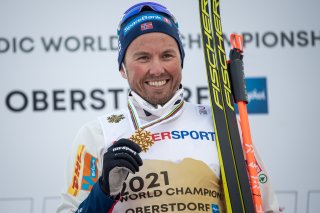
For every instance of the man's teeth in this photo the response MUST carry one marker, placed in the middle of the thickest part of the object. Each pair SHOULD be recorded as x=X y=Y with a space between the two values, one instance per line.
x=157 y=83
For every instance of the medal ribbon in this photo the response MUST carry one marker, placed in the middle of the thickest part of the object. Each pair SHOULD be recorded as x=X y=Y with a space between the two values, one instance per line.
x=135 y=119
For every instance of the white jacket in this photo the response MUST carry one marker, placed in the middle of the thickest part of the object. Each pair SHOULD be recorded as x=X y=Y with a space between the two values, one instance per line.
x=180 y=171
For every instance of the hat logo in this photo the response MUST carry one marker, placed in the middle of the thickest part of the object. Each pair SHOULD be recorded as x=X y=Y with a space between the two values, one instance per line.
x=146 y=26
x=166 y=20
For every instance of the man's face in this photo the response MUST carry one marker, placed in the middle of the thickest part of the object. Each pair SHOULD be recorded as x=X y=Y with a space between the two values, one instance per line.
x=153 y=66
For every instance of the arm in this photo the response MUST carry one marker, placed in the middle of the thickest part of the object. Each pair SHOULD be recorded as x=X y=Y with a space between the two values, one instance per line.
x=120 y=159
x=88 y=143
x=97 y=201
x=84 y=192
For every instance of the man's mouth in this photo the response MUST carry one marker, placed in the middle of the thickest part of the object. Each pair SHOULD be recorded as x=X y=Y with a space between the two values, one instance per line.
x=157 y=83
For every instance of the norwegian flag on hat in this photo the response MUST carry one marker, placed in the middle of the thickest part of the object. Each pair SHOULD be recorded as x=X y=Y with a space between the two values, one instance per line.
x=146 y=26
x=166 y=20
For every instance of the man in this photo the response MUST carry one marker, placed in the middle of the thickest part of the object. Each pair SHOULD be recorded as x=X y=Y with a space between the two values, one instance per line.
x=159 y=154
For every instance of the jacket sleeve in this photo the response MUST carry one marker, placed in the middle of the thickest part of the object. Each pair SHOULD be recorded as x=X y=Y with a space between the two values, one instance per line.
x=81 y=190
x=97 y=201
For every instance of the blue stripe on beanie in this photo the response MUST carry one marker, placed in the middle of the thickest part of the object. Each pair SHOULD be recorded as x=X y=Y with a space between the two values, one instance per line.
x=146 y=22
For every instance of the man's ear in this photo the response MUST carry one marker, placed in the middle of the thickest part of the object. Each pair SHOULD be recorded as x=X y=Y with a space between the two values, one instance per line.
x=123 y=71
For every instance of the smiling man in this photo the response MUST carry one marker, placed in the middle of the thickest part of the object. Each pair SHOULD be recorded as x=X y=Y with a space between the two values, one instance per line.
x=152 y=66
x=159 y=154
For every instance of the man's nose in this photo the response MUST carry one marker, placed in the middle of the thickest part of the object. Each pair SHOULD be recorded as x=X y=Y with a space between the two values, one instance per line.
x=156 y=67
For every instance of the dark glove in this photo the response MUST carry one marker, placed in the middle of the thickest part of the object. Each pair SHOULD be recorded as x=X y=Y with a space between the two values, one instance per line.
x=120 y=159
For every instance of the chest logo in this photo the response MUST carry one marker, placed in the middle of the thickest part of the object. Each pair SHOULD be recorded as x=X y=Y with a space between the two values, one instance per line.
x=115 y=118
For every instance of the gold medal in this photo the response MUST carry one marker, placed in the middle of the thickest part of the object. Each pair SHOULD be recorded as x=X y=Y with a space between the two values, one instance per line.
x=143 y=138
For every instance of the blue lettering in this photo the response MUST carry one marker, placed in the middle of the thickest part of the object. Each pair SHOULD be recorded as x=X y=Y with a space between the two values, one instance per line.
x=184 y=133
x=204 y=134
x=194 y=135
x=175 y=135
x=212 y=135
x=93 y=167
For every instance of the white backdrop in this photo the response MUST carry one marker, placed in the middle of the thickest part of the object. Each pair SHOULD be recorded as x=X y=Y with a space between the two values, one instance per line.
x=48 y=90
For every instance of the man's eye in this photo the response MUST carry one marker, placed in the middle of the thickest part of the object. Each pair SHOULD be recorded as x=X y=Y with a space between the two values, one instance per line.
x=143 y=58
x=167 y=56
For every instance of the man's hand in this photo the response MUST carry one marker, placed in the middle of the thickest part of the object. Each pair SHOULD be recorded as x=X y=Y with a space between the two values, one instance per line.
x=120 y=159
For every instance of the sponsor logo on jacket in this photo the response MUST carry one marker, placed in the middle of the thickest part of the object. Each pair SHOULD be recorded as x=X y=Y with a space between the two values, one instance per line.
x=74 y=186
x=90 y=172
x=184 y=135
